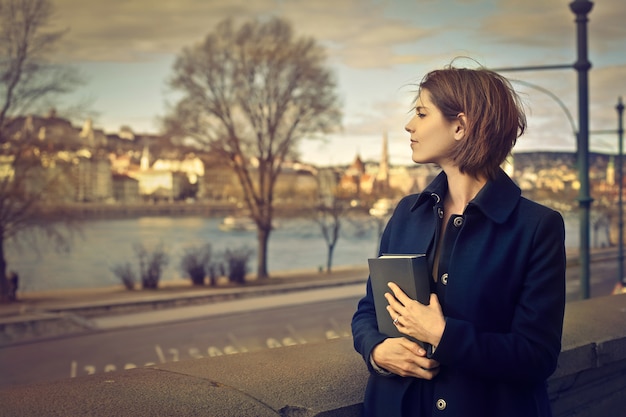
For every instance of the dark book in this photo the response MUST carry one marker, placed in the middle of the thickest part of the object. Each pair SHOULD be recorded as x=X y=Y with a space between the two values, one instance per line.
x=410 y=273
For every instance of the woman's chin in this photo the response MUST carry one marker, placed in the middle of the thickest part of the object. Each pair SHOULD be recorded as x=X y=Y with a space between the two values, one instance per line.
x=418 y=159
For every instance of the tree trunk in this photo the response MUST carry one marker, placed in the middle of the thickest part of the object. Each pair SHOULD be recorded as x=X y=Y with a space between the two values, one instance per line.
x=329 y=259
x=263 y=235
x=4 y=283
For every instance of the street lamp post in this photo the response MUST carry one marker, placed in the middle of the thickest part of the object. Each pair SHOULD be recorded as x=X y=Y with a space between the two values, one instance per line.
x=582 y=65
x=581 y=9
x=620 y=132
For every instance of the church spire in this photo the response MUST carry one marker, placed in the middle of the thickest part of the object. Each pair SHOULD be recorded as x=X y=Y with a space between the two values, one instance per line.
x=382 y=178
x=144 y=163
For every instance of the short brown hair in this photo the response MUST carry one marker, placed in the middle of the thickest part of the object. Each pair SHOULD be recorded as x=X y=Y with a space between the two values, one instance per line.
x=495 y=116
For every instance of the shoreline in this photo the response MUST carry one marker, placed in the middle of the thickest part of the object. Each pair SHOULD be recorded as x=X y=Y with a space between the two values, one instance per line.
x=185 y=284
x=104 y=211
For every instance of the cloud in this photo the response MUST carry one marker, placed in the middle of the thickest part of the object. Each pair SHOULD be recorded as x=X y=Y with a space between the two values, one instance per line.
x=607 y=32
x=119 y=30
x=541 y=24
x=605 y=86
x=357 y=32
x=534 y=23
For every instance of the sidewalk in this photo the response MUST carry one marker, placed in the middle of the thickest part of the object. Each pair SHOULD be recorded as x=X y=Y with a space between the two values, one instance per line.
x=56 y=313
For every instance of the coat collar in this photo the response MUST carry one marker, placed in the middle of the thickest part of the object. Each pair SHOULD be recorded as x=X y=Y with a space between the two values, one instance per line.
x=496 y=200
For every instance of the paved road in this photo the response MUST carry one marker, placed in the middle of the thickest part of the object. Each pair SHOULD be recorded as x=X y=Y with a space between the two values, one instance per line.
x=241 y=326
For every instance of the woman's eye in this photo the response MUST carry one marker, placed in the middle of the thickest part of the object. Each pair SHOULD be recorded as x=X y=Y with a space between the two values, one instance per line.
x=418 y=112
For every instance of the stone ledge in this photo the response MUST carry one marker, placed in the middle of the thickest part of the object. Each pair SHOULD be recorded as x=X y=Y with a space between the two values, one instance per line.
x=322 y=379
x=590 y=379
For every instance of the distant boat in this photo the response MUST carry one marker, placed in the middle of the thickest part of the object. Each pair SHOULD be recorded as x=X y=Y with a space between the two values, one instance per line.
x=237 y=224
x=381 y=208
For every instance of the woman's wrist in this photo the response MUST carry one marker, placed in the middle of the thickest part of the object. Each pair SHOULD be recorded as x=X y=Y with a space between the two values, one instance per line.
x=438 y=334
x=378 y=369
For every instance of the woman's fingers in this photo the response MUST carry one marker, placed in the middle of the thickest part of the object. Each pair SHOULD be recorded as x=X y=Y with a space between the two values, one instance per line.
x=398 y=293
x=404 y=357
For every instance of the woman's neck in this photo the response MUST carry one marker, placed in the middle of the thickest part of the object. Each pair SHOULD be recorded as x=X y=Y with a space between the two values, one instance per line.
x=462 y=188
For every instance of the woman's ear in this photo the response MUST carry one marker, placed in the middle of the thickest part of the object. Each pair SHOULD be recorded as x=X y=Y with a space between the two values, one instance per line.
x=460 y=126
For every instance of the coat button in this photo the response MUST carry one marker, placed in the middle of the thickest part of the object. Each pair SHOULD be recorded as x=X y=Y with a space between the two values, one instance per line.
x=441 y=404
x=444 y=279
x=440 y=212
x=458 y=221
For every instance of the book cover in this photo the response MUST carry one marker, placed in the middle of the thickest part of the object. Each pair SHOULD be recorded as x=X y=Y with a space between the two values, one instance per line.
x=410 y=273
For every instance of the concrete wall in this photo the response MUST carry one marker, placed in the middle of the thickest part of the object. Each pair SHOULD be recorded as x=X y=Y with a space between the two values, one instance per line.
x=325 y=379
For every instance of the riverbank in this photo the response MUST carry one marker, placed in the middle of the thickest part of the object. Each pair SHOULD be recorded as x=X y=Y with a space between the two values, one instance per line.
x=206 y=208
x=82 y=298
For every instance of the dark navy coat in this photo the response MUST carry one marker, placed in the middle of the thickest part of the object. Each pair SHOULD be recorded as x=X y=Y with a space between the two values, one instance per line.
x=502 y=290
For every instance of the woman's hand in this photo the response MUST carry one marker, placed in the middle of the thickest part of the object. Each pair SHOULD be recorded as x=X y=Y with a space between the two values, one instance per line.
x=405 y=358
x=412 y=318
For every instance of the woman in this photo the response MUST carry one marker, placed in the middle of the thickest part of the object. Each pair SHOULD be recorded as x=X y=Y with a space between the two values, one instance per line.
x=498 y=266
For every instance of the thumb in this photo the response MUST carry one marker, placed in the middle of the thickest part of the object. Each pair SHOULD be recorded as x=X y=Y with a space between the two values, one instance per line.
x=433 y=299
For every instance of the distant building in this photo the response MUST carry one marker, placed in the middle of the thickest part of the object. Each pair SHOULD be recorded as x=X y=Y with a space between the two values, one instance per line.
x=92 y=179
x=125 y=189
x=381 y=183
x=296 y=184
x=355 y=181
x=87 y=165
x=157 y=184
x=191 y=167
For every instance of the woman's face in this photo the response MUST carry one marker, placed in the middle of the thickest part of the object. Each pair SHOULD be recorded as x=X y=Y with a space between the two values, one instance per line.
x=432 y=135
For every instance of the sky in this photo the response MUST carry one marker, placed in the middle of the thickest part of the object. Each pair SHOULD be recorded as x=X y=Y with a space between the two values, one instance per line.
x=378 y=51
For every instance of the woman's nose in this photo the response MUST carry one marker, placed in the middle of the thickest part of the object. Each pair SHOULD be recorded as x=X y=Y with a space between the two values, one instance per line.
x=409 y=126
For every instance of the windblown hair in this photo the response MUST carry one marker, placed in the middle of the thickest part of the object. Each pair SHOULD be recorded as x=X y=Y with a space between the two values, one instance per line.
x=495 y=115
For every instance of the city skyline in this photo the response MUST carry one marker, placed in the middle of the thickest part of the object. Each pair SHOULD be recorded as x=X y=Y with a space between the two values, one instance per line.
x=378 y=50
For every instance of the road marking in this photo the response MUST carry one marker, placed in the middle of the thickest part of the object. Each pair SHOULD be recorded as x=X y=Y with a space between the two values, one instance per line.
x=235 y=342
x=195 y=353
x=331 y=334
x=289 y=341
x=272 y=343
x=230 y=350
x=293 y=333
x=159 y=353
x=175 y=355
x=213 y=351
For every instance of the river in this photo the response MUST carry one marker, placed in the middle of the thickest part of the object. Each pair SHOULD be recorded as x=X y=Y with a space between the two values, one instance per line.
x=295 y=244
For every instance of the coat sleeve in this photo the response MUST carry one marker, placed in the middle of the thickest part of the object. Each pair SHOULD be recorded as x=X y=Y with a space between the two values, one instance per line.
x=364 y=325
x=529 y=351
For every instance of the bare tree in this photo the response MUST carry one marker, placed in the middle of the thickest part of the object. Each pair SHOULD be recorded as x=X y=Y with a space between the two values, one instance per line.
x=328 y=215
x=250 y=94
x=31 y=174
